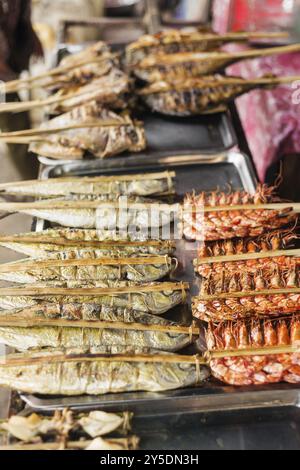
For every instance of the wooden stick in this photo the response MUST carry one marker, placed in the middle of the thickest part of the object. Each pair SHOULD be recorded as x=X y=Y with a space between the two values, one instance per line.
x=93 y=291
x=85 y=243
x=14 y=84
x=48 y=263
x=24 y=360
x=255 y=293
x=247 y=256
x=36 y=322
x=92 y=179
x=128 y=443
x=52 y=205
x=281 y=206
x=54 y=130
x=289 y=349
x=253 y=53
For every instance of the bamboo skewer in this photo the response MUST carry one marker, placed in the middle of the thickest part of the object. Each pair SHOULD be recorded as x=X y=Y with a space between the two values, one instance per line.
x=19 y=322
x=253 y=53
x=93 y=179
x=94 y=291
x=48 y=263
x=247 y=256
x=127 y=443
x=255 y=293
x=244 y=207
x=84 y=243
x=54 y=130
x=23 y=360
x=51 y=205
x=14 y=85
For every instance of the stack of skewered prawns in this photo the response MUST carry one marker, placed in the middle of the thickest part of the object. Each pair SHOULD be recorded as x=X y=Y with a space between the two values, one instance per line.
x=250 y=291
x=91 y=91
x=182 y=69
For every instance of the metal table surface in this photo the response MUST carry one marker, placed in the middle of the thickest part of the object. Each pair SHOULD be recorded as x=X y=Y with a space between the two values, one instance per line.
x=269 y=429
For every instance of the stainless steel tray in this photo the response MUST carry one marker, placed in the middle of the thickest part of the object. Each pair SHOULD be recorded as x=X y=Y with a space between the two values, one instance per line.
x=198 y=172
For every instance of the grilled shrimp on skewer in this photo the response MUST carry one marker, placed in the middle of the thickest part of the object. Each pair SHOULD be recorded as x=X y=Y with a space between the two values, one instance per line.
x=260 y=369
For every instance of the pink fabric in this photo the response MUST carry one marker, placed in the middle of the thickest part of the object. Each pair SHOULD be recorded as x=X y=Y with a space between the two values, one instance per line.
x=270 y=118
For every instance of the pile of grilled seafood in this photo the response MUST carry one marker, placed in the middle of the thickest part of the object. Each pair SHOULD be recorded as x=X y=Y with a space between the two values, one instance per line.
x=92 y=88
x=67 y=430
x=250 y=292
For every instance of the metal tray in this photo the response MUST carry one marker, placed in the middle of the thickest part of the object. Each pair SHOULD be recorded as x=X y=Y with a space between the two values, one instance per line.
x=200 y=173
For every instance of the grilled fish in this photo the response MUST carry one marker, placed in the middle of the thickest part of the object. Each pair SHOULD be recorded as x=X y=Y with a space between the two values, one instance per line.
x=97 y=141
x=155 y=298
x=99 y=378
x=122 y=213
x=203 y=95
x=110 y=90
x=94 y=340
x=140 y=269
x=131 y=185
x=77 y=244
x=99 y=49
x=188 y=65
x=179 y=41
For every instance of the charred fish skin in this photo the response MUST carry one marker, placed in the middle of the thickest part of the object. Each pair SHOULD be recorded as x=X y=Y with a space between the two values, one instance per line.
x=97 y=378
x=89 y=340
x=196 y=97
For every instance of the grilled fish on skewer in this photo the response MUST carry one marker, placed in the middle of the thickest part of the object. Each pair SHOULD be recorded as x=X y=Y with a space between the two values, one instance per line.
x=98 y=141
x=176 y=41
x=76 y=244
x=155 y=298
x=255 y=369
x=156 y=184
x=233 y=308
x=138 y=269
x=89 y=55
x=97 y=378
x=208 y=94
x=187 y=65
x=93 y=340
x=109 y=90
x=119 y=214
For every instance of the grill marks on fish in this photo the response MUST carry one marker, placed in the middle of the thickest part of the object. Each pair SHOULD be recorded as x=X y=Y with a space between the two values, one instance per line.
x=98 y=141
x=196 y=96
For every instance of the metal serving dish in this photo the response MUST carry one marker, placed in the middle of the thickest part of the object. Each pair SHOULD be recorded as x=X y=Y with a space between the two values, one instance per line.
x=197 y=172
